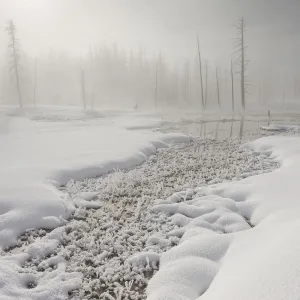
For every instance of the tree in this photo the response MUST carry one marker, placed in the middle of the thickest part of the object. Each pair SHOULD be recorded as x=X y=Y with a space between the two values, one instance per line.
x=218 y=88
x=200 y=71
x=232 y=86
x=14 y=53
x=83 y=89
x=240 y=49
x=156 y=86
x=34 y=84
x=206 y=84
x=186 y=82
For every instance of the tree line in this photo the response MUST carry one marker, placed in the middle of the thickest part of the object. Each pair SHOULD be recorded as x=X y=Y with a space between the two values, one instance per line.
x=110 y=77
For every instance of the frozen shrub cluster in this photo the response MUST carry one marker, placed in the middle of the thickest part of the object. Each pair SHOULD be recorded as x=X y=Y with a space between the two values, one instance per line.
x=120 y=228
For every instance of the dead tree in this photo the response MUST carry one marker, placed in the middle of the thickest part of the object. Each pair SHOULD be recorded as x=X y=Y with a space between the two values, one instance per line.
x=206 y=84
x=14 y=53
x=83 y=96
x=240 y=50
x=34 y=84
x=232 y=86
x=186 y=83
x=200 y=72
x=156 y=88
x=218 y=88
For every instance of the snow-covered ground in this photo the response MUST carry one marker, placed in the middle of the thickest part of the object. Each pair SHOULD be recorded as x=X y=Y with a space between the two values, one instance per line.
x=215 y=259
x=222 y=235
x=41 y=150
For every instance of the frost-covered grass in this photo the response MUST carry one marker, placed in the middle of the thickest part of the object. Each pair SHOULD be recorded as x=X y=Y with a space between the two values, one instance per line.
x=103 y=242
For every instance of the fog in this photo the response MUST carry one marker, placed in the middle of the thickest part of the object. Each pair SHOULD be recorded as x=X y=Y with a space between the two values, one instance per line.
x=141 y=54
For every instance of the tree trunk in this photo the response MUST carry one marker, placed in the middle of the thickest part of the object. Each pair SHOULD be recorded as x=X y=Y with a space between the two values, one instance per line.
x=156 y=89
x=34 y=84
x=206 y=84
x=232 y=87
x=83 y=89
x=200 y=71
x=218 y=88
x=16 y=69
x=243 y=65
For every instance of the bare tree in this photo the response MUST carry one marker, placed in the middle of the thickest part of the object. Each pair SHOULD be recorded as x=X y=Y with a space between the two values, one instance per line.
x=83 y=89
x=156 y=87
x=218 y=88
x=34 y=84
x=200 y=71
x=232 y=86
x=206 y=83
x=186 y=82
x=14 y=52
x=240 y=49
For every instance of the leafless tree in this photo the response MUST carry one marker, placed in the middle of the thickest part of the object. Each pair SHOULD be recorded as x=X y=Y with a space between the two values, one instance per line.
x=232 y=86
x=34 y=84
x=14 y=53
x=186 y=82
x=240 y=50
x=156 y=87
x=206 y=83
x=83 y=96
x=200 y=71
x=218 y=88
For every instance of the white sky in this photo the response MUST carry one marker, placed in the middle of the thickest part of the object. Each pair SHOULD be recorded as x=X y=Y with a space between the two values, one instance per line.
x=169 y=26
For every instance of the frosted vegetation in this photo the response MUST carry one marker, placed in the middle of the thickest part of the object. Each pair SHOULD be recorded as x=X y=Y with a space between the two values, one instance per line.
x=119 y=216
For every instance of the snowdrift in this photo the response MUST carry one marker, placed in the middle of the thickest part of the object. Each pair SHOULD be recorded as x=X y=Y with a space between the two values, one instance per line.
x=220 y=256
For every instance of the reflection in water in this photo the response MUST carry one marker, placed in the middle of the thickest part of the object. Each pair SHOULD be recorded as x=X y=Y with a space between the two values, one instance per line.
x=242 y=123
x=217 y=130
x=231 y=128
x=223 y=129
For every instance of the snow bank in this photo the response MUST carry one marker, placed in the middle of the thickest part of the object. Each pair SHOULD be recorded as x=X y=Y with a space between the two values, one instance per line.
x=35 y=155
x=246 y=263
x=41 y=150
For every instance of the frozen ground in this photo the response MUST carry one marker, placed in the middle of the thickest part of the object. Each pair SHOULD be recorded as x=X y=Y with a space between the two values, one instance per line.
x=42 y=150
x=127 y=224
x=104 y=244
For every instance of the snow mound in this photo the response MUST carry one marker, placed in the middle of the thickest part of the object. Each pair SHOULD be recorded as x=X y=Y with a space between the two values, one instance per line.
x=247 y=263
x=18 y=282
x=36 y=155
x=41 y=151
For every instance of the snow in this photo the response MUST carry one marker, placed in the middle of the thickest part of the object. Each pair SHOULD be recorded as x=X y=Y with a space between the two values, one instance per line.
x=221 y=256
x=42 y=150
x=211 y=239
x=126 y=224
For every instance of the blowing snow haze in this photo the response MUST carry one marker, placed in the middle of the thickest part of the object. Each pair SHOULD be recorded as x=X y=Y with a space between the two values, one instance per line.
x=144 y=54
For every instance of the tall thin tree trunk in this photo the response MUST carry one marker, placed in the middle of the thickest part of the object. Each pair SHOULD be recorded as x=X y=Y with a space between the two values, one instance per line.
x=17 y=70
x=83 y=89
x=34 y=84
x=156 y=88
x=232 y=87
x=200 y=71
x=206 y=83
x=243 y=65
x=218 y=88
x=186 y=92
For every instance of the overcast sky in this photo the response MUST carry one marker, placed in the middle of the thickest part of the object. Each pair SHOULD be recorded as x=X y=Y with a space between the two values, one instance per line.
x=169 y=26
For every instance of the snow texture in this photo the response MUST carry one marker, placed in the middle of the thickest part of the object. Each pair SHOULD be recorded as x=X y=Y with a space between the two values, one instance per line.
x=220 y=256
x=104 y=244
x=42 y=150
x=126 y=224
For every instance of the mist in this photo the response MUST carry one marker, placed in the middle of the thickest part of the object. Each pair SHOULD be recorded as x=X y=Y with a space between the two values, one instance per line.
x=144 y=55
